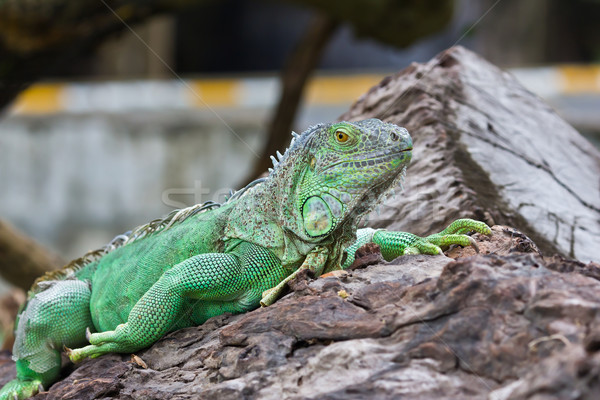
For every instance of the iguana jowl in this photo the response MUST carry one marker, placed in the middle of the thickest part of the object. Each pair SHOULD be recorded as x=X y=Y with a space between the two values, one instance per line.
x=208 y=259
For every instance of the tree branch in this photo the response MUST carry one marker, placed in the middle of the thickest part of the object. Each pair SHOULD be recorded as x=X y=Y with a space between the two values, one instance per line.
x=22 y=260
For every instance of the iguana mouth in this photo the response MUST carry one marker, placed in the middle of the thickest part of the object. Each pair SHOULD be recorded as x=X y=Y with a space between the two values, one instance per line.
x=364 y=162
x=385 y=153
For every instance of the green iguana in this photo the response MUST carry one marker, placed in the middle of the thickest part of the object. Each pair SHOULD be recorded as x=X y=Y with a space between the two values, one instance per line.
x=210 y=259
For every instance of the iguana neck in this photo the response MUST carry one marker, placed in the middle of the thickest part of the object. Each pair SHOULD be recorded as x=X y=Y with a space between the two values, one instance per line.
x=266 y=216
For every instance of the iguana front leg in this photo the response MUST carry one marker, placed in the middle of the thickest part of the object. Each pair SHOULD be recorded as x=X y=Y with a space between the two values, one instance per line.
x=314 y=261
x=394 y=244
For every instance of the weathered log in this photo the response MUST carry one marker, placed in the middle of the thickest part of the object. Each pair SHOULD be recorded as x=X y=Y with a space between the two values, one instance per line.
x=485 y=147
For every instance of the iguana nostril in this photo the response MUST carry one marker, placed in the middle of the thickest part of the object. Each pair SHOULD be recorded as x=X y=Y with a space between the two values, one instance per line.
x=394 y=136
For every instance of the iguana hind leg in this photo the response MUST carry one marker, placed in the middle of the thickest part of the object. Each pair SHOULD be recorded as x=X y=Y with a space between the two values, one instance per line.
x=160 y=307
x=55 y=317
x=221 y=282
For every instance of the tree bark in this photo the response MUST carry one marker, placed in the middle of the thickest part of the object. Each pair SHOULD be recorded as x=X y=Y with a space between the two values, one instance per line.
x=22 y=260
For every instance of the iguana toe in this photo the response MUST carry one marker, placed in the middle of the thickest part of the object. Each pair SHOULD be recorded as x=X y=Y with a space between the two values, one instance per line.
x=465 y=225
x=21 y=389
x=80 y=354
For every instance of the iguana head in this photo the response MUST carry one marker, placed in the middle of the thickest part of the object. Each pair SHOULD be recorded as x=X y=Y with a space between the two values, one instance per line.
x=335 y=173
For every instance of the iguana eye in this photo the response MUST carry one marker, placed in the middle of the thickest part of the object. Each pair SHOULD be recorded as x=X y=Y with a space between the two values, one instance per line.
x=341 y=136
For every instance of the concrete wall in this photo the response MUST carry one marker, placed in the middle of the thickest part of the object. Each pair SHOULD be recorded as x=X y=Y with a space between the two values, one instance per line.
x=75 y=181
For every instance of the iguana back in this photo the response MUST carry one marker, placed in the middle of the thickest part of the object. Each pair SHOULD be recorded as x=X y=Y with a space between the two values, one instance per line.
x=121 y=277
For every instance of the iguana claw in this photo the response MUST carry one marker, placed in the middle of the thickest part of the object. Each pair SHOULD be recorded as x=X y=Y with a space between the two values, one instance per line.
x=473 y=244
x=70 y=355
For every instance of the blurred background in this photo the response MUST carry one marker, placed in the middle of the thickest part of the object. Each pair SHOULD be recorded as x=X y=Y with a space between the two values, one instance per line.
x=116 y=112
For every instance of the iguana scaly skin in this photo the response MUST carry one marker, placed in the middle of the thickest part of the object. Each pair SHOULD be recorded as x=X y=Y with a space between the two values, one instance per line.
x=208 y=259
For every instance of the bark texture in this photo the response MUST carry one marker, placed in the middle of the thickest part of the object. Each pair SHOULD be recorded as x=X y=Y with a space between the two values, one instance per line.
x=486 y=148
